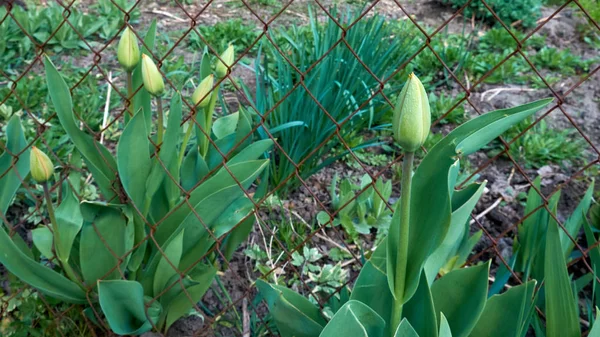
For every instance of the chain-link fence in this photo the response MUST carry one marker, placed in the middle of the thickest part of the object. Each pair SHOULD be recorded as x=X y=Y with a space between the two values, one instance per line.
x=292 y=239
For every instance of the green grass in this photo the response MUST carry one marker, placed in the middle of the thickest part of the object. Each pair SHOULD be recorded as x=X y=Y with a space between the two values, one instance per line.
x=220 y=35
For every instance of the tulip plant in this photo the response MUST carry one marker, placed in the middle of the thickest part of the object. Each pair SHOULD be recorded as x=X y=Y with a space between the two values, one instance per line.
x=406 y=288
x=175 y=206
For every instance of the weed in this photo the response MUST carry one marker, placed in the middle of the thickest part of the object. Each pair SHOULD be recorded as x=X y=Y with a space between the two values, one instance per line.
x=440 y=109
x=523 y=12
x=218 y=36
x=542 y=145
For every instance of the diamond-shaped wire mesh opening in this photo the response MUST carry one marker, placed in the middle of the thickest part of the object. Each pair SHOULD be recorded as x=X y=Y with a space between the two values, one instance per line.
x=300 y=235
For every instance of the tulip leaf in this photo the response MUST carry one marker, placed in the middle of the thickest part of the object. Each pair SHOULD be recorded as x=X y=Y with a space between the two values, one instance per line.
x=371 y=286
x=405 y=330
x=562 y=318
x=12 y=172
x=294 y=315
x=124 y=306
x=193 y=169
x=104 y=239
x=196 y=284
x=433 y=184
x=445 y=327
x=420 y=311
x=594 y=252
x=238 y=235
x=245 y=173
x=226 y=125
x=133 y=161
x=168 y=153
x=507 y=314
x=167 y=266
x=461 y=295
x=70 y=221
x=31 y=272
x=463 y=202
x=354 y=319
x=42 y=239
x=98 y=159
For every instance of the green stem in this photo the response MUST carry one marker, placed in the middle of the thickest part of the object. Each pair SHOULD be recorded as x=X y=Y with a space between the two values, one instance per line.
x=161 y=121
x=186 y=138
x=208 y=120
x=64 y=262
x=407 y=166
x=129 y=95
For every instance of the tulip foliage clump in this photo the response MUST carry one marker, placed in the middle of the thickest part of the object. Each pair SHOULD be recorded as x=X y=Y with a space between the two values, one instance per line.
x=412 y=285
x=173 y=196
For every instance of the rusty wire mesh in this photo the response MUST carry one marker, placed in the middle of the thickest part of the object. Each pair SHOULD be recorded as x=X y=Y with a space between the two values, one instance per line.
x=101 y=64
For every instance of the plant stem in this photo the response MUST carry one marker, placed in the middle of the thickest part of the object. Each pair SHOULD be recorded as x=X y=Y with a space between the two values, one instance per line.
x=129 y=94
x=186 y=138
x=161 y=121
x=407 y=166
x=64 y=262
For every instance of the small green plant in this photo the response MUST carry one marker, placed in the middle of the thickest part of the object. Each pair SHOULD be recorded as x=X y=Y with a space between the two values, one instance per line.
x=542 y=145
x=359 y=214
x=523 y=12
x=222 y=33
x=443 y=105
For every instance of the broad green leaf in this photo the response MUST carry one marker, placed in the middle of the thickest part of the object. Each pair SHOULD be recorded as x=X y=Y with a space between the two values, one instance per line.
x=354 y=319
x=167 y=266
x=70 y=221
x=31 y=272
x=420 y=310
x=530 y=228
x=223 y=224
x=168 y=154
x=371 y=286
x=562 y=318
x=98 y=159
x=445 y=328
x=196 y=284
x=133 y=161
x=432 y=185
x=219 y=186
x=103 y=241
x=461 y=295
x=294 y=315
x=238 y=235
x=124 y=306
x=507 y=314
x=193 y=169
x=42 y=239
x=405 y=330
x=463 y=203
x=573 y=224
x=12 y=172
x=225 y=125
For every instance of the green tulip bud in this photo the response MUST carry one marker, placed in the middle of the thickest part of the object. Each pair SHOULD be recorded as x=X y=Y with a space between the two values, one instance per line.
x=153 y=81
x=128 y=52
x=227 y=57
x=40 y=165
x=412 y=116
x=202 y=94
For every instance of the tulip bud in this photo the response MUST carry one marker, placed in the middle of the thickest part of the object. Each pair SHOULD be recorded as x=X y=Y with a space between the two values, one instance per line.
x=40 y=165
x=412 y=116
x=153 y=81
x=128 y=52
x=202 y=94
x=227 y=57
